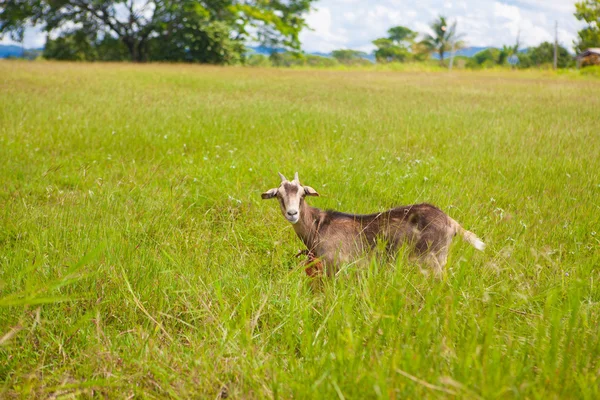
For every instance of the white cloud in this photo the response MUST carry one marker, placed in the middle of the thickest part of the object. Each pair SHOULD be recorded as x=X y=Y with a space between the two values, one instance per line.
x=506 y=11
x=322 y=36
x=484 y=23
x=34 y=39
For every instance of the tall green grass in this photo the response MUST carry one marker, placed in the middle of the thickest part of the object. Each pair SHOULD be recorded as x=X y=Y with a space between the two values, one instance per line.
x=136 y=257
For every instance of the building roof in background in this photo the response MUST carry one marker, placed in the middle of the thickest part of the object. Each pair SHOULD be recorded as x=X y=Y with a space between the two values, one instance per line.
x=589 y=52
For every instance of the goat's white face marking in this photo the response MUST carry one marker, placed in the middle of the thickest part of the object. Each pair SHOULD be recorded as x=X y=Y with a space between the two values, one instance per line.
x=290 y=195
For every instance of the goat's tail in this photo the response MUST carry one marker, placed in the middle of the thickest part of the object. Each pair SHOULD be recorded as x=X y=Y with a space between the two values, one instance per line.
x=469 y=236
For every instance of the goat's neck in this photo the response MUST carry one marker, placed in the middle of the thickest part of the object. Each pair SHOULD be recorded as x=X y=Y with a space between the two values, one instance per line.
x=307 y=225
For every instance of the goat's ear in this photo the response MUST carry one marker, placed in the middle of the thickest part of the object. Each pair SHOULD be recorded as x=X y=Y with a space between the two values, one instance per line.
x=269 y=194
x=308 y=191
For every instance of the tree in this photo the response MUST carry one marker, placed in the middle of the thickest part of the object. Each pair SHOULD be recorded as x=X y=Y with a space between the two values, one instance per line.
x=397 y=46
x=503 y=54
x=71 y=46
x=588 y=11
x=206 y=30
x=487 y=58
x=444 y=38
x=544 y=54
x=350 y=57
x=79 y=46
x=401 y=35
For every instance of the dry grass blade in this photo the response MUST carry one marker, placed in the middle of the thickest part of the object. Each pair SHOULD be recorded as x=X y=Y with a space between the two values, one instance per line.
x=425 y=383
x=143 y=309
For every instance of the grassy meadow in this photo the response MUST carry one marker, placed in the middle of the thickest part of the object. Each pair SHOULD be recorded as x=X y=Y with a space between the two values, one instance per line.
x=137 y=258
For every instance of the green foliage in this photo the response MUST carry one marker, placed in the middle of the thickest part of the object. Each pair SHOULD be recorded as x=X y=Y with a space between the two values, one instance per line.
x=397 y=46
x=401 y=35
x=593 y=70
x=504 y=53
x=312 y=60
x=111 y=49
x=73 y=46
x=198 y=41
x=137 y=259
x=292 y=59
x=543 y=55
x=79 y=46
x=258 y=60
x=388 y=51
x=487 y=58
x=177 y=30
x=589 y=12
x=287 y=59
x=350 y=57
x=444 y=38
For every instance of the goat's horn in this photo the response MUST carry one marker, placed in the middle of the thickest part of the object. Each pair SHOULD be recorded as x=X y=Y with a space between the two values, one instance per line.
x=283 y=178
x=296 y=177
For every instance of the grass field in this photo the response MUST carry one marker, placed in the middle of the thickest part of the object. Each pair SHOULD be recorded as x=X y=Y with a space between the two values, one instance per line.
x=137 y=258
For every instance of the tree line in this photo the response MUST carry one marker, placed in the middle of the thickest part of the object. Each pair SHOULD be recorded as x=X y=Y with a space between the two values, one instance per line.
x=217 y=32
x=204 y=31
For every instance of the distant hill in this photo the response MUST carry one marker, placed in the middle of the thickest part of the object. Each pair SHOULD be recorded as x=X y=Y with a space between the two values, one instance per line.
x=466 y=52
x=11 y=50
x=264 y=50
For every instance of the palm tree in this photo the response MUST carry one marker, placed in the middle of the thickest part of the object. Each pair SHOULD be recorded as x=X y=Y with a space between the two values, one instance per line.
x=444 y=38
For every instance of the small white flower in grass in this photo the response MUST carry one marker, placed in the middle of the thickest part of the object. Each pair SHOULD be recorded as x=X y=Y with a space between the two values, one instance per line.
x=232 y=167
x=425 y=178
x=492 y=200
x=205 y=158
x=250 y=169
x=165 y=136
x=113 y=132
x=566 y=274
x=523 y=224
x=593 y=233
x=234 y=199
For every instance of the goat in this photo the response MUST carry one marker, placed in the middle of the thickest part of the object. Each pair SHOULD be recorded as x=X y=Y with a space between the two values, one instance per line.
x=336 y=238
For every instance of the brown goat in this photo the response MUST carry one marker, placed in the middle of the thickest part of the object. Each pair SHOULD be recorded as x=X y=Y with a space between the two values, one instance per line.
x=336 y=238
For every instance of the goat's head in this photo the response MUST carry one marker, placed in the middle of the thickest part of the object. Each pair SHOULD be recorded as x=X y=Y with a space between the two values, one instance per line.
x=291 y=196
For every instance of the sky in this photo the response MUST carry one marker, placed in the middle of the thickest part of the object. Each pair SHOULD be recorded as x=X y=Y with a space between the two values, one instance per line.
x=354 y=24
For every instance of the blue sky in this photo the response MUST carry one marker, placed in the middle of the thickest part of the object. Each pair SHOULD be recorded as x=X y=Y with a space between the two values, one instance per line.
x=355 y=23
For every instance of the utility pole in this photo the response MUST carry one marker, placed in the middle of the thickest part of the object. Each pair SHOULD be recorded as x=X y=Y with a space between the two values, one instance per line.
x=555 y=45
x=452 y=55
